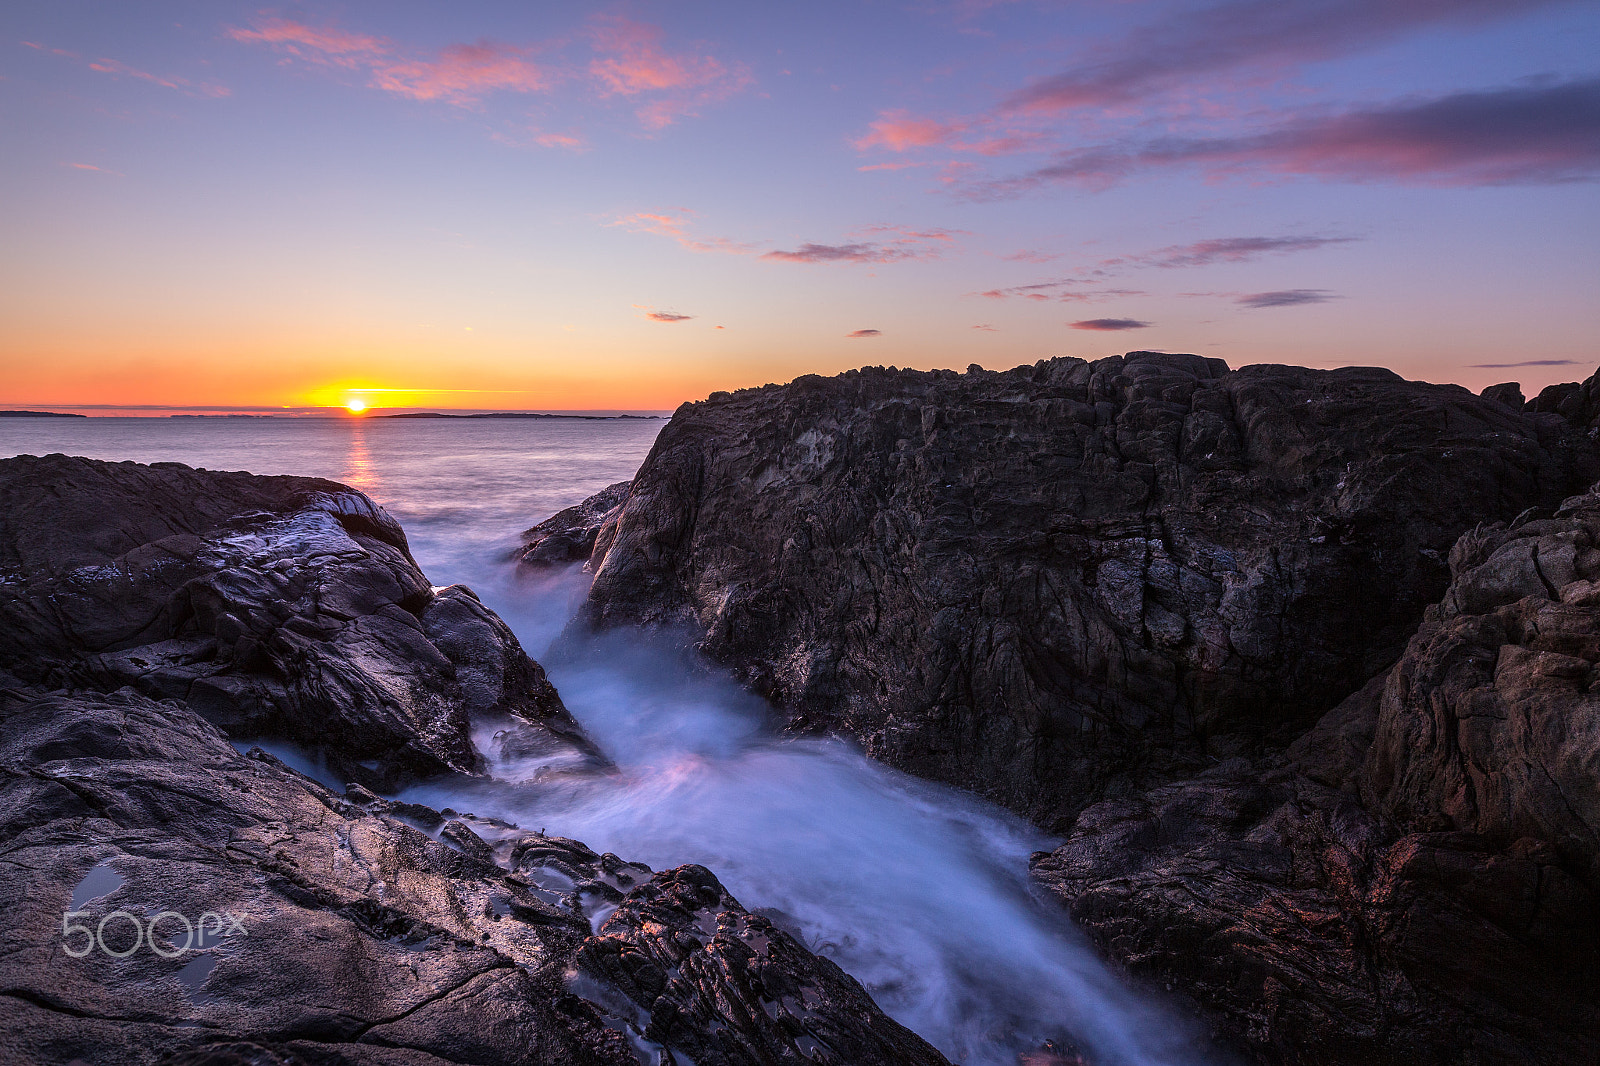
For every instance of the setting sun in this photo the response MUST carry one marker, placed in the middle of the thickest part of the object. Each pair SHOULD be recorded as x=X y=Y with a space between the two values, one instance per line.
x=355 y=406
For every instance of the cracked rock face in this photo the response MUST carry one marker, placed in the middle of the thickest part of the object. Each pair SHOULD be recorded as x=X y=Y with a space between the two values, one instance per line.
x=275 y=606
x=1051 y=584
x=357 y=930
x=726 y=986
x=568 y=536
x=1416 y=880
x=364 y=939
x=1491 y=722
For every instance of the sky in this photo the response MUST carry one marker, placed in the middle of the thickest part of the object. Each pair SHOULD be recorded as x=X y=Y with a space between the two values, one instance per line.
x=531 y=206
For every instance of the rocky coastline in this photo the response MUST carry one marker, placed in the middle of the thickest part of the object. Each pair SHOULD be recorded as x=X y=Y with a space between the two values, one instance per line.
x=1298 y=663
x=155 y=622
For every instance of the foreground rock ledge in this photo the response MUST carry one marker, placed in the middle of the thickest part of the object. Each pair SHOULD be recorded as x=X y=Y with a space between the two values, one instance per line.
x=358 y=930
x=278 y=607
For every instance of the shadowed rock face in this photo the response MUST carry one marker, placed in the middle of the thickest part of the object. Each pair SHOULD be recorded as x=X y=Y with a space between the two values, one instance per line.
x=568 y=536
x=1047 y=584
x=685 y=954
x=276 y=606
x=1417 y=880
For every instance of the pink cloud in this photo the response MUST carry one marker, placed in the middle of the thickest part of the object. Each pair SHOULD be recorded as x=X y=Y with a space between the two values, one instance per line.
x=118 y=69
x=111 y=66
x=463 y=74
x=898 y=131
x=311 y=42
x=630 y=61
x=1521 y=135
x=675 y=225
x=661 y=316
x=862 y=333
x=559 y=140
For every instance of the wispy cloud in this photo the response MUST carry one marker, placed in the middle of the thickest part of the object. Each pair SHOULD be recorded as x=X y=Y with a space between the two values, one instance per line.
x=661 y=316
x=893 y=244
x=118 y=69
x=865 y=333
x=868 y=244
x=1526 y=362
x=1254 y=37
x=1536 y=134
x=1286 y=298
x=674 y=223
x=632 y=61
x=626 y=58
x=461 y=74
x=1090 y=283
x=1225 y=250
x=1109 y=325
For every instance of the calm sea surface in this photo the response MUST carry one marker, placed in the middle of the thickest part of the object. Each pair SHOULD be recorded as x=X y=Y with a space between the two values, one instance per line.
x=919 y=891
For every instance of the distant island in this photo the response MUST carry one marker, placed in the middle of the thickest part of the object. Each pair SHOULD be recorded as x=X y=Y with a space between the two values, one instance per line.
x=516 y=414
x=38 y=414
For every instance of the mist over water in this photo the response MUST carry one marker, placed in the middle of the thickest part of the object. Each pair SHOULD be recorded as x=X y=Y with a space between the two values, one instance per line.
x=918 y=891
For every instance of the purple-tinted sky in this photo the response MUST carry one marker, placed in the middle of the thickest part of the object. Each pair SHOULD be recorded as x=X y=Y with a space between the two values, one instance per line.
x=514 y=205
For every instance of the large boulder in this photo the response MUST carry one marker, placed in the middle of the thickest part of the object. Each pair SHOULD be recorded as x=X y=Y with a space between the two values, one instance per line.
x=280 y=607
x=1056 y=583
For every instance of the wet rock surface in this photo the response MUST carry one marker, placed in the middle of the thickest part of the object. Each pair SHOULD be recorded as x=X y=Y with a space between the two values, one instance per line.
x=275 y=606
x=1053 y=583
x=360 y=937
x=568 y=536
x=727 y=986
x=170 y=900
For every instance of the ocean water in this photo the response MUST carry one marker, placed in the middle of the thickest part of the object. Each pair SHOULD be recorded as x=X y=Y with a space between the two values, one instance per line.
x=919 y=891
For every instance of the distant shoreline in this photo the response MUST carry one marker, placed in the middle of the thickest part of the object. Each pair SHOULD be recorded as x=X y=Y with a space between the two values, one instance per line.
x=38 y=414
x=520 y=414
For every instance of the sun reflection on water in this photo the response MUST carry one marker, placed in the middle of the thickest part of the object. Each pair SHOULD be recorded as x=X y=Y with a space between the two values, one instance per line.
x=359 y=471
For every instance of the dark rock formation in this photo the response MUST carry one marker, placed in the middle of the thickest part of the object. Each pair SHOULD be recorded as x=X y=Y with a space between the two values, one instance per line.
x=171 y=901
x=568 y=536
x=1417 y=880
x=276 y=606
x=360 y=938
x=369 y=931
x=1054 y=583
x=690 y=960
x=1507 y=392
